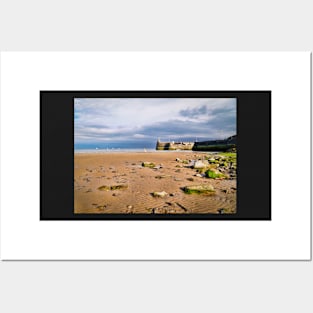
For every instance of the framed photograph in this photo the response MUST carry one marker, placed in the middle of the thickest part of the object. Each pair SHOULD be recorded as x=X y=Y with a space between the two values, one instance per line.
x=155 y=155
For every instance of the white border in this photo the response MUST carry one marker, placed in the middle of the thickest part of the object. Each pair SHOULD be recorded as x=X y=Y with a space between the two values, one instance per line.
x=24 y=74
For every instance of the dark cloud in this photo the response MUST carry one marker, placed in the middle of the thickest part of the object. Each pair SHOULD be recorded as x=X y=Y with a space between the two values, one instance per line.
x=115 y=120
x=194 y=112
x=179 y=129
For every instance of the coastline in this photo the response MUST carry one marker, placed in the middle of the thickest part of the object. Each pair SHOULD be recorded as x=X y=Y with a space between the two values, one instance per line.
x=117 y=182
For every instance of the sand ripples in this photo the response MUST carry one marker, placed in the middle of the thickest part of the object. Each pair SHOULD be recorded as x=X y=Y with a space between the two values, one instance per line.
x=94 y=171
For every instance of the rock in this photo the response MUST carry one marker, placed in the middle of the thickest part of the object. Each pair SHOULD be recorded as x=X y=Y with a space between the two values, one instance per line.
x=199 y=164
x=213 y=173
x=162 y=176
x=198 y=175
x=114 y=187
x=208 y=188
x=192 y=163
x=160 y=211
x=170 y=210
x=129 y=207
x=148 y=164
x=190 y=179
x=160 y=194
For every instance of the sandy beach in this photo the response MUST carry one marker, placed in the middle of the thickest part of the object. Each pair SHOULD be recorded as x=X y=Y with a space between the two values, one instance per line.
x=120 y=182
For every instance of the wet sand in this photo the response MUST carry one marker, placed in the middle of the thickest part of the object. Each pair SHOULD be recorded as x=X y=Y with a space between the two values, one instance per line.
x=117 y=182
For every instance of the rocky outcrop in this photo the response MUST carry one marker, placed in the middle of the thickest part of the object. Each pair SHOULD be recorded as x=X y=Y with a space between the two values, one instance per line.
x=216 y=145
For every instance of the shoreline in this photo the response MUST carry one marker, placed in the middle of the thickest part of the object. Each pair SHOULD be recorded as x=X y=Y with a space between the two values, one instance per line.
x=103 y=151
x=117 y=182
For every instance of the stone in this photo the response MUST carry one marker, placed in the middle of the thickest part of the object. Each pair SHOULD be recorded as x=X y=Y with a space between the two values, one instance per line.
x=162 y=176
x=148 y=164
x=160 y=194
x=114 y=187
x=213 y=173
x=160 y=210
x=208 y=188
x=199 y=164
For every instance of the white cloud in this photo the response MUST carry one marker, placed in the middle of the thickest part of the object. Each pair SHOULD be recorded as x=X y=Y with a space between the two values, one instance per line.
x=139 y=136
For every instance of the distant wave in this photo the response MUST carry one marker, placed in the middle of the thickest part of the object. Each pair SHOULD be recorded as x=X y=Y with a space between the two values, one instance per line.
x=128 y=150
x=113 y=150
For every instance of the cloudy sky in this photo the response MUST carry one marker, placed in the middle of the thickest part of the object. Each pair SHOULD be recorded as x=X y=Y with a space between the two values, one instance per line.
x=103 y=122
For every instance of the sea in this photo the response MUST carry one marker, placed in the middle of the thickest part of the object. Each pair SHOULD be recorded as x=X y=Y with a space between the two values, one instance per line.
x=110 y=150
x=124 y=150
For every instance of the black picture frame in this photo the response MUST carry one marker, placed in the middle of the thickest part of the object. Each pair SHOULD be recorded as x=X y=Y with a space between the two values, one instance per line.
x=253 y=154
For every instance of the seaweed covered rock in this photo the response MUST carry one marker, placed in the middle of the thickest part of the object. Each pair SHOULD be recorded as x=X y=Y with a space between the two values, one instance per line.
x=213 y=173
x=206 y=189
x=148 y=164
